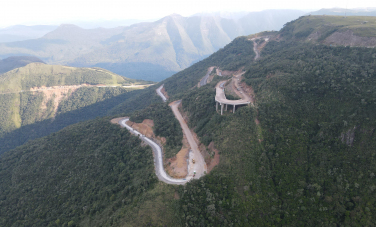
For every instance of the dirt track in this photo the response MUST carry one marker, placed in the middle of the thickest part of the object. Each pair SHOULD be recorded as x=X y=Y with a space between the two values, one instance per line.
x=200 y=165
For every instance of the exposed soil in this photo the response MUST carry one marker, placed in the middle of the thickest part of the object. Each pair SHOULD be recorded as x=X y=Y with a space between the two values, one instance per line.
x=178 y=164
x=249 y=91
x=202 y=148
x=215 y=160
x=230 y=73
x=177 y=167
x=164 y=92
x=176 y=196
x=56 y=94
x=146 y=128
x=116 y=120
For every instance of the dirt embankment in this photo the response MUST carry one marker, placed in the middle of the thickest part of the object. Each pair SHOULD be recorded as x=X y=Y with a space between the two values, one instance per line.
x=55 y=94
x=146 y=128
x=164 y=92
x=208 y=154
x=177 y=167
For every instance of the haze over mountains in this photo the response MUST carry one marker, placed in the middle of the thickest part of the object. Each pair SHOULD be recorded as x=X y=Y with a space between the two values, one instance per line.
x=301 y=154
x=151 y=51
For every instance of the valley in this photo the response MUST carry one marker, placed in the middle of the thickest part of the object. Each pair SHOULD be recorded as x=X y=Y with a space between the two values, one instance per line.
x=295 y=147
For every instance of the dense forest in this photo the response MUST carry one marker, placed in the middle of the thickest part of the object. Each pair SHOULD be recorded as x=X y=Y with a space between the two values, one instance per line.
x=303 y=155
x=165 y=125
x=41 y=186
x=314 y=164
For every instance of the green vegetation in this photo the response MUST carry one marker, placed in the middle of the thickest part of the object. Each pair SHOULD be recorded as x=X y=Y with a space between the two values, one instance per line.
x=165 y=125
x=327 y=25
x=304 y=155
x=39 y=74
x=110 y=171
x=232 y=57
x=315 y=164
x=84 y=104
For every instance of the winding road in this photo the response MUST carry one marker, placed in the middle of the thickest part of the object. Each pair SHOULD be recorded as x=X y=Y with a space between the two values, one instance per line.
x=195 y=170
x=158 y=157
x=204 y=80
x=159 y=92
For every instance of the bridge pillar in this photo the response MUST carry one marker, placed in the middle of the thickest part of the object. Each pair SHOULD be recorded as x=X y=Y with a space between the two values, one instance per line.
x=216 y=106
x=234 y=109
x=221 y=109
x=226 y=107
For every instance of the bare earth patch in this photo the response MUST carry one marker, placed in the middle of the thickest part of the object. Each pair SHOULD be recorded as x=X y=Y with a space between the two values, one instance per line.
x=116 y=120
x=178 y=167
x=164 y=92
x=56 y=94
x=249 y=91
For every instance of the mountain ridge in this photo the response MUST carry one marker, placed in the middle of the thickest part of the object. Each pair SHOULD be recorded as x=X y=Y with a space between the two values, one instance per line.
x=165 y=46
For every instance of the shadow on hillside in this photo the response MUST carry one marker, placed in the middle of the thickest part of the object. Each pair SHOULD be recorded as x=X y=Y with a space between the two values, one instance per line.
x=43 y=128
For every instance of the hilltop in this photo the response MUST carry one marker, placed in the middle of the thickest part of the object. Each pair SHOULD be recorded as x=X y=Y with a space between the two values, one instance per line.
x=333 y=30
x=39 y=74
x=301 y=154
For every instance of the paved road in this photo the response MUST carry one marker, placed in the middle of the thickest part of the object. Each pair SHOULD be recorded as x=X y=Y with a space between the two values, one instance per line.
x=204 y=80
x=200 y=165
x=221 y=97
x=255 y=50
x=161 y=94
x=158 y=158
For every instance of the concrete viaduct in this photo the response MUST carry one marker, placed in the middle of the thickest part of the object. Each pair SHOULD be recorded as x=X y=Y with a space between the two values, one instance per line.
x=220 y=98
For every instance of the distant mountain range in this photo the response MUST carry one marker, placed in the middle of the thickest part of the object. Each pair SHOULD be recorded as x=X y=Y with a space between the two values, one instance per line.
x=16 y=62
x=152 y=50
x=148 y=50
x=22 y=32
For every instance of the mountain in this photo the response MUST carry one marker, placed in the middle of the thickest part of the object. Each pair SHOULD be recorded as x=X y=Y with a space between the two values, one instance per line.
x=22 y=32
x=10 y=63
x=300 y=154
x=40 y=93
x=346 y=12
x=333 y=30
x=149 y=50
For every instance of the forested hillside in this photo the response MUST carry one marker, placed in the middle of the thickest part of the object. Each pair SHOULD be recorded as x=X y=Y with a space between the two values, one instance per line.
x=302 y=155
x=36 y=94
x=110 y=173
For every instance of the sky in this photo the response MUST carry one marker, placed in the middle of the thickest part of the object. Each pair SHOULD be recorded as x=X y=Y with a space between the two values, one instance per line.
x=31 y=12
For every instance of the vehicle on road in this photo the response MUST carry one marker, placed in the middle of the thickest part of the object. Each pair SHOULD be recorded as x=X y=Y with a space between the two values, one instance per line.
x=193 y=161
